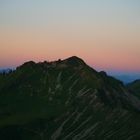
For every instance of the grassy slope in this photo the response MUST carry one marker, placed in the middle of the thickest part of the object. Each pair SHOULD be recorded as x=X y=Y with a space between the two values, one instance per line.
x=67 y=103
x=134 y=87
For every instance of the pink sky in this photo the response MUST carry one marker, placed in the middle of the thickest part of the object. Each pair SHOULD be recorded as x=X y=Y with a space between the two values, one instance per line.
x=106 y=35
x=102 y=50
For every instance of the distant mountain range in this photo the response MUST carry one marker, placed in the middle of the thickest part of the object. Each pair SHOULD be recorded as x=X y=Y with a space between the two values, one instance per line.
x=5 y=70
x=66 y=100
x=127 y=78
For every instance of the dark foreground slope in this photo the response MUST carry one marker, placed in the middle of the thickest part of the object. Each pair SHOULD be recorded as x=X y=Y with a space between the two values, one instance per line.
x=134 y=88
x=66 y=100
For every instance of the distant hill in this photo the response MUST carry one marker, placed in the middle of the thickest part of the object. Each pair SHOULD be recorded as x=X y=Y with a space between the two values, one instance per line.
x=127 y=78
x=5 y=70
x=66 y=100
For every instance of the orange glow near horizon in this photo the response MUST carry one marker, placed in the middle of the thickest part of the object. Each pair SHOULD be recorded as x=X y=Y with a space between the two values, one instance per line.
x=104 y=34
x=100 y=51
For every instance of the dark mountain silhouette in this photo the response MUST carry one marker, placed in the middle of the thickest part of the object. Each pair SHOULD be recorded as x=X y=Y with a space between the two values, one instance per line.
x=66 y=100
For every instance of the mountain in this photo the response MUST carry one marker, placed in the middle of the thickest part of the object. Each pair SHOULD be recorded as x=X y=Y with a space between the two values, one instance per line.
x=127 y=78
x=134 y=87
x=5 y=70
x=66 y=100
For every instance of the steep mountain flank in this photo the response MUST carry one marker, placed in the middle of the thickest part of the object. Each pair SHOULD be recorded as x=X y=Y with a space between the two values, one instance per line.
x=134 y=88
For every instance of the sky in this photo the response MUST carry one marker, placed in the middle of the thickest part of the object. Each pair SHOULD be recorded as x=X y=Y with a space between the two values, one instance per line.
x=105 y=33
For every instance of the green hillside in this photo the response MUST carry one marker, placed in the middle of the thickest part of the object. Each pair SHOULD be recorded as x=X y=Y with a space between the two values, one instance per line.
x=134 y=88
x=66 y=100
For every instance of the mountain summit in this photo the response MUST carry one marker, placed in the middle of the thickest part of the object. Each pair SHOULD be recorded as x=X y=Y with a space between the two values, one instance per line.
x=75 y=61
x=66 y=100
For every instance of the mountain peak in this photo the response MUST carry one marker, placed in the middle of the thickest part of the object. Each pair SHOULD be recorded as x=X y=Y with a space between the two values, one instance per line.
x=74 y=61
x=75 y=58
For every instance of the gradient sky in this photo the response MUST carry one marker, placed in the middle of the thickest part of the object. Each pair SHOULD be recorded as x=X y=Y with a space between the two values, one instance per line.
x=105 y=33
